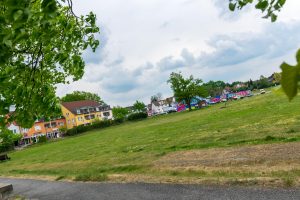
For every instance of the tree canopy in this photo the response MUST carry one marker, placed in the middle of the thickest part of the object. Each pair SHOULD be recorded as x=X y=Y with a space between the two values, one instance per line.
x=120 y=113
x=290 y=77
x=41 y=45
x=186 y=89
x=81 y=95
x=139 y=106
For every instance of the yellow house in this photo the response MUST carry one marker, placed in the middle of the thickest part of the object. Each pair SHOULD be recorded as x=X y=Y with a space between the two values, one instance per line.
x=84 y=112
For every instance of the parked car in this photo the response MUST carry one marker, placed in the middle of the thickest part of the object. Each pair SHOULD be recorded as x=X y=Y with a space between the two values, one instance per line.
x=169 y=109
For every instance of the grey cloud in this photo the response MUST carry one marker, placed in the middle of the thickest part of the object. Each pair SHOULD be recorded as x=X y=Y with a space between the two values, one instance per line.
x=119 y=60
x=170 y=63
x=119 y=80
x=139 y=71
x=274 y=41
x=99 y=55
x=165 y=24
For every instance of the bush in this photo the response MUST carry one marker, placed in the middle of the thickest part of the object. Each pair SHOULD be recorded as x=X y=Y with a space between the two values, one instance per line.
x=95 y=125
x=7 y=140
x=42 y=139
x=137 y=116
x=120 y=113
x=102 y=124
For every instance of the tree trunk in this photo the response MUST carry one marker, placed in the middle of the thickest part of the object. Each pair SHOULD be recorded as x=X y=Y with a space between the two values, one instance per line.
x=189 y=104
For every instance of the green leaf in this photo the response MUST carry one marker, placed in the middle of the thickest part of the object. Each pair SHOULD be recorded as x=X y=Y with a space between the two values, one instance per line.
x=298 y=56
x=17 y=14
x=290 y=78
x=262 y=5
x=281 y=2
x=232 y=6
x=273 y=17
x=8 y=43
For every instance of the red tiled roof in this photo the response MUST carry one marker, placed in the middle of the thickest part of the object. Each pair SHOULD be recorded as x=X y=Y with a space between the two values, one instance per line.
x=74 y=105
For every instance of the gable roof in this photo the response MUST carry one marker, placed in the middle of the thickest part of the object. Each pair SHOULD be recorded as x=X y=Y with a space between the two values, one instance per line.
x=74 y=105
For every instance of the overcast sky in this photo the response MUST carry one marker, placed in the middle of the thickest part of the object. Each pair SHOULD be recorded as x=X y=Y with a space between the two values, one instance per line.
x=143 y=41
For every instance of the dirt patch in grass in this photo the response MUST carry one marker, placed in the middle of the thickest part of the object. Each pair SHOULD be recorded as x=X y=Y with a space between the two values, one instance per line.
x=270 y=155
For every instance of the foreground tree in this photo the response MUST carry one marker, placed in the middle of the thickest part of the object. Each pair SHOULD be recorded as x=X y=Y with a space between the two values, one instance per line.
x=81 y=95
x=186 y=89
x=290 y=78
x=41 y=46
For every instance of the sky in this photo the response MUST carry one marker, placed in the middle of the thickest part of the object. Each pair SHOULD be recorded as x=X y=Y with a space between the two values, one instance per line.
x=143 y=41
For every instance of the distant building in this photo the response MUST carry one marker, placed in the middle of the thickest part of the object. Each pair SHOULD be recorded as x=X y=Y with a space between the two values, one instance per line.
x=161 y=106
x=84 y=112
x=50 y=129
x=16 y=129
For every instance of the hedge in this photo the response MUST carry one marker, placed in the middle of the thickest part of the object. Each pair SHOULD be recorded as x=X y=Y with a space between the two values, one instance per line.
x=137 y=116
x=84 y=128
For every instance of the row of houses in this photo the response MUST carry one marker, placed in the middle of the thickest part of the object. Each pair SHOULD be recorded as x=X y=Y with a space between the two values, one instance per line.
x=73 y=114
x=170 y=105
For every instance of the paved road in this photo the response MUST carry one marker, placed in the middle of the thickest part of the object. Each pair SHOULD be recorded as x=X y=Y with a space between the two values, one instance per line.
x=47 y=190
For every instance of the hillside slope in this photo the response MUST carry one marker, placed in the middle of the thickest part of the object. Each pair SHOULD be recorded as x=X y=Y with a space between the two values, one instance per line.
x=133 y=151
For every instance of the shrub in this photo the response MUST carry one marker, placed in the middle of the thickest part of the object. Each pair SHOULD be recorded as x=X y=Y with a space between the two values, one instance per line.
x=72 y=131
x=119 y=113
x=137 y=116
x=102 y=124
x=85 y=128
x=63 y=131
x=42 y=139
x=7 y=140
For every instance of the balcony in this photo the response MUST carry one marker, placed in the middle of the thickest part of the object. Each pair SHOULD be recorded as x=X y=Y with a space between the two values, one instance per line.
x=89 y=117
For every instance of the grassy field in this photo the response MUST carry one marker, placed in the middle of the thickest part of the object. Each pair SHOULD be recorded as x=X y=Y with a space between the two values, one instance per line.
x=251 y=141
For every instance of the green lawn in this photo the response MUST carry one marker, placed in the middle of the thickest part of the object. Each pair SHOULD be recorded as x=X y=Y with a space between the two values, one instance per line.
x=130 y=151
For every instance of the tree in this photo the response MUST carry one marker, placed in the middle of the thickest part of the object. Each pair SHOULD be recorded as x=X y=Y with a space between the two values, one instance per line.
x=139 y=106
x=81 y=95
x=120 y=113
x=277 y=78
x=156 y=97
x=7 y=140
x=41 y=46
x=186 y=89
x=263 y=82
x=290 y=78
x=214 y=88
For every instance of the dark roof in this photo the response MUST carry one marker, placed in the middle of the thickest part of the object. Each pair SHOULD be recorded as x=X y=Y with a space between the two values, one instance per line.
x=74 y=105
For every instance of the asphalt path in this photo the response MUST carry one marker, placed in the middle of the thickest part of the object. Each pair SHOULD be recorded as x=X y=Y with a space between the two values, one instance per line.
x=54 y=190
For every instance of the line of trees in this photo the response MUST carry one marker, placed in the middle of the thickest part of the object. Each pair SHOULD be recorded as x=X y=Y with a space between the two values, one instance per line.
x=185 y=89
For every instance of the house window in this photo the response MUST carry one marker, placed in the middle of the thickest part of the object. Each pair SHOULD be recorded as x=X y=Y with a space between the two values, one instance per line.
x=15 y=131
x=78 y=111
x=61 y=123
x=106 y=114
x=68 y=121
x=67 y=114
